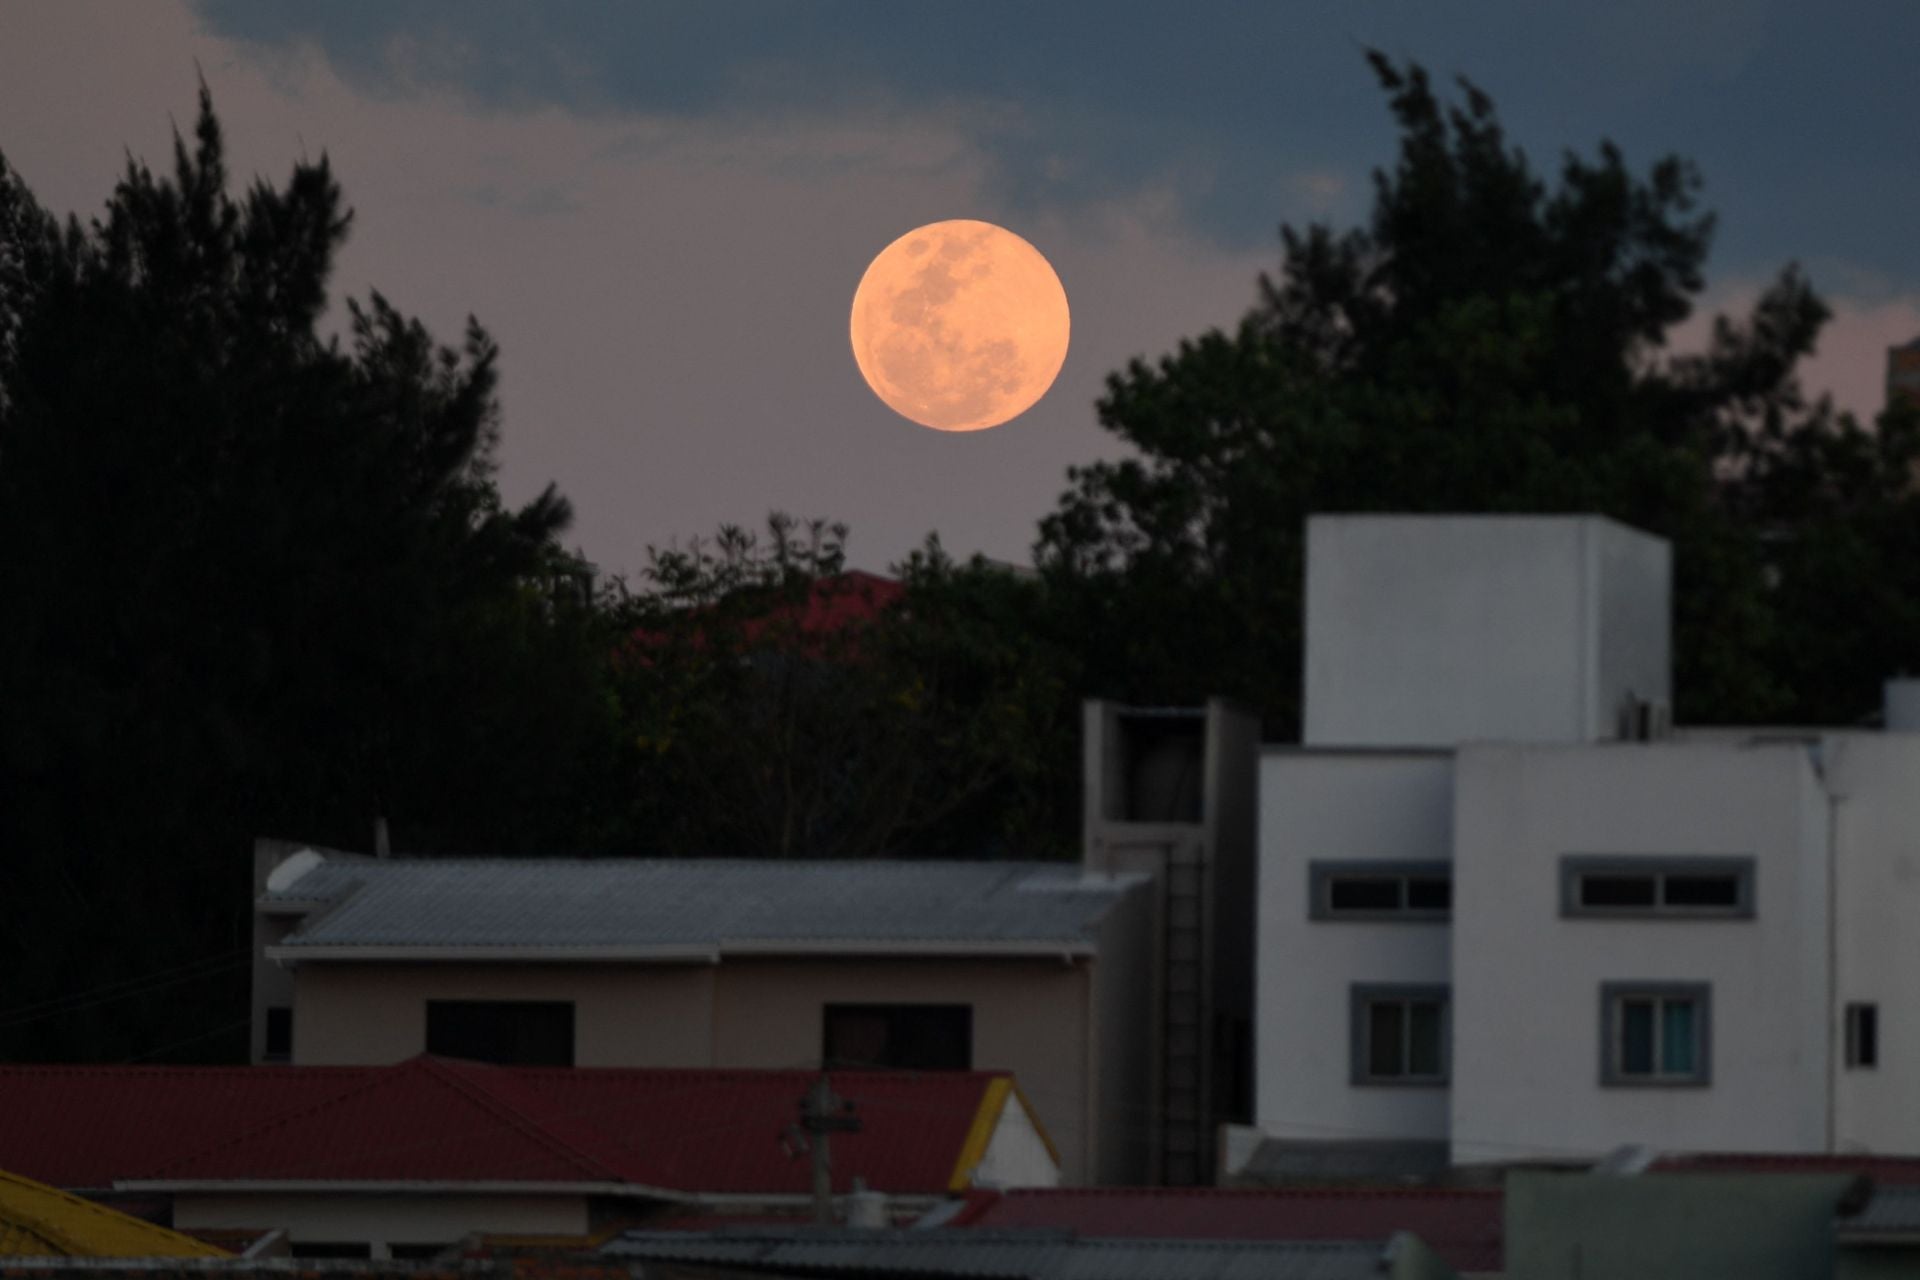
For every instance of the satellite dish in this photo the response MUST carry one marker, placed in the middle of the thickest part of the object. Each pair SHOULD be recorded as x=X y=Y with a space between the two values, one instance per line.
x=289 y=872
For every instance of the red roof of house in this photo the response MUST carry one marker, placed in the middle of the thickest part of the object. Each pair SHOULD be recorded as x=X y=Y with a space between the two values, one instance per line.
x=836 y=605
x=431 y=1120
x=1464 y=1226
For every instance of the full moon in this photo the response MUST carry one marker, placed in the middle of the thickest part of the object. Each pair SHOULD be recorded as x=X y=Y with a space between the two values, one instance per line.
x=960 y=325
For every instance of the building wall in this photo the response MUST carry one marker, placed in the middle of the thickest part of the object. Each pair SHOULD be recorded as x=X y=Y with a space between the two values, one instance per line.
x=352 y=1014
x=384 y=1220
x=1121 y=1097
x=1632 y=577
x=1030 y=1017
x=1875 y=780
x=1433 y=630
x=1526 y=982
x=1355 y=807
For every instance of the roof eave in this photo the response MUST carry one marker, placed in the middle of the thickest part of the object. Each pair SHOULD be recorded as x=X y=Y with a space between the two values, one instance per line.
x=396 y=1186
x=1060 y=949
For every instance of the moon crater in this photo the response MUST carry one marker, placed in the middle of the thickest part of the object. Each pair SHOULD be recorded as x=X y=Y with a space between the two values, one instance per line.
x=960 y=325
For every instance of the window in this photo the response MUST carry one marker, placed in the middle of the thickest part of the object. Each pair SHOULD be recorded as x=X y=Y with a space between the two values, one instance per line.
x=907 y=1037
x=1655 y=1033
x=1686 y=888
x=520 y=1033
x=1389 y=891
x=1400 y=1034
x=279 y=1044
x=1863 y=1035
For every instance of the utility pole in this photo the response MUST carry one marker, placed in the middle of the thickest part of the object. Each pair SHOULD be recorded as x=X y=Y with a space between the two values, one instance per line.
x=821 y=1113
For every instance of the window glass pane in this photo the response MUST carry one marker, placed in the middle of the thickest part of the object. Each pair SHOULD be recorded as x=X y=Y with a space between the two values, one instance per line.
x=525 y=1033
x=1636 y=1037
x=1863 y=1035
x=1720 y=890
x=909 y=1037
x=1386 y=1043
x=1364 y=893
x=1616 y=891
x=1423 y=1039
x=1678 y=1044
x=1429 y=893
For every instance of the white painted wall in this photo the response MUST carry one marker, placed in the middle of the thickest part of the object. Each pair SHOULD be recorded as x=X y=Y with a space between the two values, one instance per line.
x=1342 y=806
x=1016 y=1155
x=1433 y=630
x=1875 y=780
x=1526 y=1002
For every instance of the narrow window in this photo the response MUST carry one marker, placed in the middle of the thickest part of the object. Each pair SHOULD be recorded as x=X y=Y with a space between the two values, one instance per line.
x=903 y=1037
x=1399 y=1035
x=1863 y=1036
x=279 y=1045
x=1379 y=891
x=520 y=1033
x=1657 y=886
x=1654 y=1034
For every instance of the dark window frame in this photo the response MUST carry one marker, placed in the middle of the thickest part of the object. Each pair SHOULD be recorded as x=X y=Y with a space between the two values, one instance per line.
x=1322 y=874
x=1614 y=995
x=1361 y=998
x=1577 y=867
x=893 y=1008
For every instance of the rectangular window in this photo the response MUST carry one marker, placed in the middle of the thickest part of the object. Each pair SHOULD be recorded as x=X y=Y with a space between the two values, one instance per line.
x=1655 y=1033
x=1654 y=887
x=517 y=1033
x=279 y=1044
x=1387 y=891
x=1863 y=1035
x=1399 y=1034
x=904 y=1037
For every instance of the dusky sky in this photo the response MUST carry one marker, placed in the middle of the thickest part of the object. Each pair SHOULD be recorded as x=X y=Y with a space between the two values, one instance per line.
x=661 y=210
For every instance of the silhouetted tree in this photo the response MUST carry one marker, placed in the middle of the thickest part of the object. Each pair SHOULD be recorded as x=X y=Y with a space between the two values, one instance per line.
x=1490 y=341
x=784 y=707
x=256 y=582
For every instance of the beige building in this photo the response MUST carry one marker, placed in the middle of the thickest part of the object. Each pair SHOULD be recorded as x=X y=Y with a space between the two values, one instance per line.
x=1046 y=971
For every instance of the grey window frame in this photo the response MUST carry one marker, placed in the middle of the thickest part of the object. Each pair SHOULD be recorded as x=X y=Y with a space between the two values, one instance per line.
x=1363 y=995
x=1613 y=993
x=1575 y=866
x=1321 y=874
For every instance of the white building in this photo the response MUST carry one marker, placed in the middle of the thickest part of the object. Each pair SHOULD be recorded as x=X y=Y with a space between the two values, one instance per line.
x=1502 y=906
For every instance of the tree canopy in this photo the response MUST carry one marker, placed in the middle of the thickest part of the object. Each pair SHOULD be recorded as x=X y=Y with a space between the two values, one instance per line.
x=258 y=581
x=1493 y=340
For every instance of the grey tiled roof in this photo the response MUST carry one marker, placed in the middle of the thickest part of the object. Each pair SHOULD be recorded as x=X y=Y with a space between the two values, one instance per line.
x=987 y=1255
x=695 y=905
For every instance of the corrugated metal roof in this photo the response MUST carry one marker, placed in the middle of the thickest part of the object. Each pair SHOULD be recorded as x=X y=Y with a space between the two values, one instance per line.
x=433 y=1120
x=1463 y=1226
x=38 y=1221
x=1005 y=1255
x=674 y=903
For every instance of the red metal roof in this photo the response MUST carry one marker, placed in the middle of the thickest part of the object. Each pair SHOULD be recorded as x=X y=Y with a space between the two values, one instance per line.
x=1464 y=1226
x=431 y=1119
x=835 y=606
